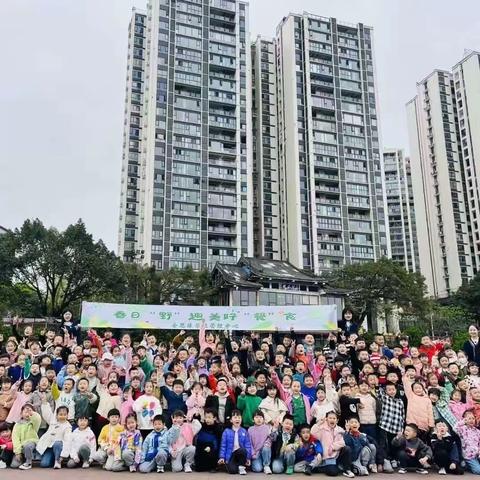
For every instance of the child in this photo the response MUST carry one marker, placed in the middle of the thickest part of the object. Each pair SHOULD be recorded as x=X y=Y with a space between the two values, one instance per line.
x=22 y=397
x=174 y=397
x=349 y=405
x=83 y=400
x=298 y=404
x=368 y=413
x=25 y=437
x=146 y=407
x=64 y=397
x=126 y=408
x=6 y=445
x=326 y=401
x=261 y=439
x=180 y=440
x=108 y=453
x=445 y=451
x=283 y=447
x=83 y=444
x=155 y=447
x=335 y=456
x=308 y=456
x=53 y=444
x=207 y=442
x=272 y=407
x=392 y=418
x=362 y=451
x=248 y=402
x=470 y=438
x=7 y=397
x=419 y=406
x=221 y=401
x=235 y=448
x=412 y=452
x=131 y=444
x=110 y=399
x=196 y=402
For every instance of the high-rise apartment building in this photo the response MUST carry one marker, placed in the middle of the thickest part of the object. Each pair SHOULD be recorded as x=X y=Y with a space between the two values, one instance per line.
x=332 y=198
x=131 y=187
x=438 y=186
x=269 y=149
x=400 y=209
x=266 y=180
x=194 y=205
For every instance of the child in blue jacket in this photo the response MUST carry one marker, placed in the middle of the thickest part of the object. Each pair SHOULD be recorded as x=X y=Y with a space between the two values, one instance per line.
x=362 y=449
x=308 y=456
x=235 y=448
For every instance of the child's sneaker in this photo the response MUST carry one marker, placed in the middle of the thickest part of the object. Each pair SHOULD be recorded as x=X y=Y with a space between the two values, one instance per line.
x=160 y=469
x=187 y=468
x=422 y=471
x=241 y=470
x=348 y=474
x=133 y=468
x=373 y=468
x=86 y=464
x=25 y=466
x=57 y=465
x=402 y=470
x=2 y=465
x=442 y=471
x=289 y=471
x=308 y=470
x=267 y=470
x=387 y=466
x=394 y=463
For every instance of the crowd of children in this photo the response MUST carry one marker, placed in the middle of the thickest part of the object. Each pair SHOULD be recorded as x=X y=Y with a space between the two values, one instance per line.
x=267 y=403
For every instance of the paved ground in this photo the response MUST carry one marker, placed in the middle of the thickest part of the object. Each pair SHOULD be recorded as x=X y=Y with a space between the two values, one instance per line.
x=97 y=474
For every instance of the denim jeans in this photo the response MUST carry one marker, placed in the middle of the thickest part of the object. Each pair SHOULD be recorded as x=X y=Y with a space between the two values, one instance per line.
x=285 y=460
x=263 y=459
x=51 y=455
x=473 y=465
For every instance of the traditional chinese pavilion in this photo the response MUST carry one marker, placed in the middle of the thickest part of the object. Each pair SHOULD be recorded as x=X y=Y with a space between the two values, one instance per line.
x=261 y=281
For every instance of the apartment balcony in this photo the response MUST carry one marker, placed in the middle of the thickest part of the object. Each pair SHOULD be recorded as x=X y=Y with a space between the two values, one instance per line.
x=221 y=243
x=327 y=176
x=219 y=147
x=220 y=230
x=223 y=5
x=331 y=253
x=222 y=259
x=321 y=102
x=231 y=64
x=216 y=175
x=325 y=164
x=225 y=125
x=321 y=187
x=222 y=99
x=329 y=226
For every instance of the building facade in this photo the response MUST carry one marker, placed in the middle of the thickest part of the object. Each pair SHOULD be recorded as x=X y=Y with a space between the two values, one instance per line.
x=196 y=196
x=331 y=187
x=266 y=181
x=400 y=209
x=438 y=186
x=268 y=149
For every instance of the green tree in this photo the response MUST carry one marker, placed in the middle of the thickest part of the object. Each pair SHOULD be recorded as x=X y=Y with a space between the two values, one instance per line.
x=59 y=268
x=468 y=296
x=173 y=286
x=383 y=283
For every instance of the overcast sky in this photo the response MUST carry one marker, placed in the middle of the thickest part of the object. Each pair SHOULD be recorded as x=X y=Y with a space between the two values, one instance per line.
x=63 y=80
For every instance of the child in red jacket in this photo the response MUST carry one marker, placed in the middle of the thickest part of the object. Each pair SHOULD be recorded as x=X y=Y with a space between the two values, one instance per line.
x=6 y=445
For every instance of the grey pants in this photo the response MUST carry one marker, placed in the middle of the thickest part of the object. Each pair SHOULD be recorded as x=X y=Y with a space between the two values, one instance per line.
x=108 y=461
x=159 y=461
x=367 y=456
x=187 y=455
x=299 y=467
x=27 y=454
x=83 y=456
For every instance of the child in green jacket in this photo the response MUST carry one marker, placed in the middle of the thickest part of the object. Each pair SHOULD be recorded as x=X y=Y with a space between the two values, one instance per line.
x=25 y=437
x=248 y=402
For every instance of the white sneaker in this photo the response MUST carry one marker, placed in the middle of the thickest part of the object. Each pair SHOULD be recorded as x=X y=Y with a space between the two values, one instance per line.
x=267 y=470
x=187 y=468
x=2 y=465
x=402 y=470
x=57 y=465
x=86 y=464
x=394 y=464
x=133 y=468
x=348 y=474
x=442 y=471
x=25 y=466
x=242 y=470
x=373 y=468
x=160 y=469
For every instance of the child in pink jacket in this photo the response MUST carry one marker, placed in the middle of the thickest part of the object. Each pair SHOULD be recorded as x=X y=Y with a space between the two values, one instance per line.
x=419 y=407
x=195 y=403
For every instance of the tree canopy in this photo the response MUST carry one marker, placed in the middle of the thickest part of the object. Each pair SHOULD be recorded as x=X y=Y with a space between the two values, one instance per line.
x=55 y=270
x=382 y=281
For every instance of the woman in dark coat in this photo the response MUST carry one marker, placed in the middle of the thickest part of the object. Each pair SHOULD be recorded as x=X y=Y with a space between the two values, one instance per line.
x=472 y=346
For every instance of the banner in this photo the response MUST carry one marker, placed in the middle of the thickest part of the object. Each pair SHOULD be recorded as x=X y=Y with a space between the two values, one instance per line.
x=319 y=318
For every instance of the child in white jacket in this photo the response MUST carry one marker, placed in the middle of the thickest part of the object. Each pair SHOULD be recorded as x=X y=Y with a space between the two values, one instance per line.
x=83 y=445
x=52 y=444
